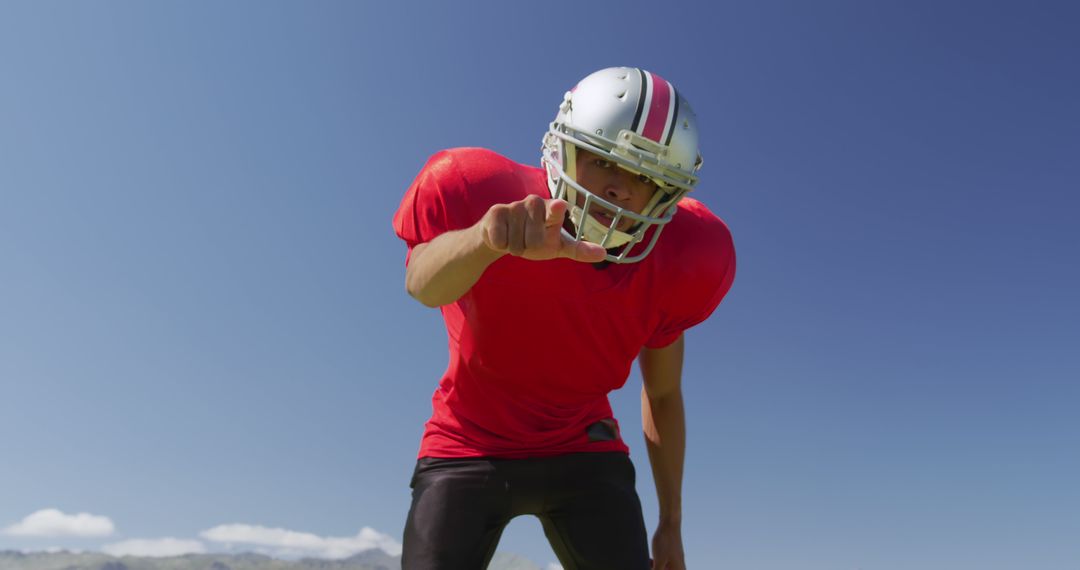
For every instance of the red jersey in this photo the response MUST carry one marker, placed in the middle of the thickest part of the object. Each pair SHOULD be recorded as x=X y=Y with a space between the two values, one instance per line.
x=535 y=346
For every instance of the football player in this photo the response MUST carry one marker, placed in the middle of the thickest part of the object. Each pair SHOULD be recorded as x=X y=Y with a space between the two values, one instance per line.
x=551 y=281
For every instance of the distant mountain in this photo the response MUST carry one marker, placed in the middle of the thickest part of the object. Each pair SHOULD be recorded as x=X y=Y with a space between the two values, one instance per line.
x=368 y=560
x=504 y=561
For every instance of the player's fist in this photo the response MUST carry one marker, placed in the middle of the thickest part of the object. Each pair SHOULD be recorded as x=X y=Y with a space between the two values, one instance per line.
x=532 y=228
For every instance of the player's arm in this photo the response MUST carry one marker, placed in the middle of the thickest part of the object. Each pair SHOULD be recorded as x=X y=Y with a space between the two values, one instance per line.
x=664 y=423
x=445 y=268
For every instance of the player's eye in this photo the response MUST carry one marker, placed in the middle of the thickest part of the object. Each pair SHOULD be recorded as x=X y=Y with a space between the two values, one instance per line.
x=601 y=163
x=644 y=179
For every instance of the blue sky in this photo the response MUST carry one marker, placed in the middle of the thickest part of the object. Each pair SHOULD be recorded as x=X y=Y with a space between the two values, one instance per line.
x=202 y=314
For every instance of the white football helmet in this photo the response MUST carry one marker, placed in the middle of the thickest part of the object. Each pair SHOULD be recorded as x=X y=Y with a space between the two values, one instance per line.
x=637 y=120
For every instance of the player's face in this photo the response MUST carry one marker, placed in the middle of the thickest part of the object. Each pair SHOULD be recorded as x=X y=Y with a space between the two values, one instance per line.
x=614 y=184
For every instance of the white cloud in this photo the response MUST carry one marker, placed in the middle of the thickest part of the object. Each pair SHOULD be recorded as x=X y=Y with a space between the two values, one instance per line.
x=156 y=547
x=52 y=523
x=554 y=566
x=51 y=550
x=283 y=543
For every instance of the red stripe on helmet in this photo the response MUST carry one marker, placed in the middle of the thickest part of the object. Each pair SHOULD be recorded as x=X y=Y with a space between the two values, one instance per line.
x=659 y=107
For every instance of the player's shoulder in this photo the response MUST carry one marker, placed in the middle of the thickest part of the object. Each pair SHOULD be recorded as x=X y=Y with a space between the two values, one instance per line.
x=473 y=164
x=697 y=231
x=696 y=252
x=483 y=177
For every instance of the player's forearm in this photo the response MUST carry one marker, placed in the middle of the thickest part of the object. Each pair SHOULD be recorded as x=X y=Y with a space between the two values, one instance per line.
x=444 y=269
x=665 y=438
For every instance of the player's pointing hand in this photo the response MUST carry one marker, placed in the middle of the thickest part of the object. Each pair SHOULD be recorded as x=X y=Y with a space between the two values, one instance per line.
x=532 y=228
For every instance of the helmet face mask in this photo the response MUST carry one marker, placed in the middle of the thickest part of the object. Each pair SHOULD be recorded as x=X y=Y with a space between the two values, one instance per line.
x=638 y=122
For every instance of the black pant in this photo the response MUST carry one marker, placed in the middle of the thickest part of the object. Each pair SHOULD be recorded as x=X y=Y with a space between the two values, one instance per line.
x=586 y=503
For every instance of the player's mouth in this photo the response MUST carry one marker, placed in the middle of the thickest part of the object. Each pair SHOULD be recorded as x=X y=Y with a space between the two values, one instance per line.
x=602 y=217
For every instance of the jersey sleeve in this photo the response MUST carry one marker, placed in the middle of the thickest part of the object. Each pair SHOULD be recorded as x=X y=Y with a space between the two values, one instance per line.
x=703 y=279
x=434 y=204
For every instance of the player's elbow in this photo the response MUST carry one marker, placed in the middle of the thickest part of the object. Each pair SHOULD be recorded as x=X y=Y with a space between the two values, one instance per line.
x=416 y=289
x=662 y=393
x=425 y=301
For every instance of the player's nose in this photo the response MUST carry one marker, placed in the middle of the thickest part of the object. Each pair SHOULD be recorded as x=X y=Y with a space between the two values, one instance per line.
x=617 y=188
